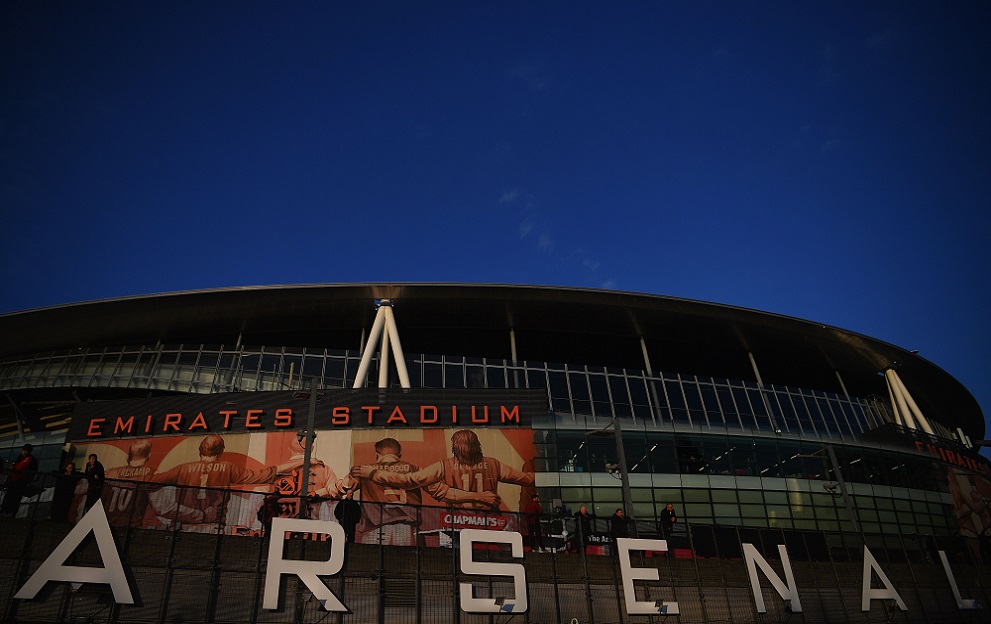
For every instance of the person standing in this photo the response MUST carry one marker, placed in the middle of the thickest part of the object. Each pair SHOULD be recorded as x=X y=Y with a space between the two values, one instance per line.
x=348 y=513
x=583 y=527
x=94 y=478
x=532 y=512
x=22 y=473
x=618 y=525
x=668 y=518
x=271 y=508
x=65 y=488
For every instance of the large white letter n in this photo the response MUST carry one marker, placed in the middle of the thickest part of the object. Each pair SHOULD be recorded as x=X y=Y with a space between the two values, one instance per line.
x=54 y=568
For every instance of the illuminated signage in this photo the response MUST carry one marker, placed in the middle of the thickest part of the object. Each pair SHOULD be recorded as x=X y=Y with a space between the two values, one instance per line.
x=952 y=457
x=274 y=411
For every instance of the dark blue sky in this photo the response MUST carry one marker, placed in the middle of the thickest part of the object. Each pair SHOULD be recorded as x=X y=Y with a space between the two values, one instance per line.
x=825 y=160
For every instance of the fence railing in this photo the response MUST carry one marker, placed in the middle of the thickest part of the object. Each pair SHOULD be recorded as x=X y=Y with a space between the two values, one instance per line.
x=202 y=555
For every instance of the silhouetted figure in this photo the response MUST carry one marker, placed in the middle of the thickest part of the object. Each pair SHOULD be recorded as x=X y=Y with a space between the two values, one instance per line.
x=348 y=513
x=619 y=525
x=94 y=477
x=583 y=528
x=65 y=487
x=22 y=473
x=532 y=512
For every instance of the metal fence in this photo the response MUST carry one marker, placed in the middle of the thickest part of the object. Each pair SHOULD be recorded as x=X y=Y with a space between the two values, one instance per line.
x=214 y=570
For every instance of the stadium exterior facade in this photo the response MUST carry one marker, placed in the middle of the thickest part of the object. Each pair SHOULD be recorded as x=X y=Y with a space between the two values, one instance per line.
x=762 y=431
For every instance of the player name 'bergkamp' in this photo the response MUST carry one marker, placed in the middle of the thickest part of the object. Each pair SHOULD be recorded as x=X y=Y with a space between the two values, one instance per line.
x=287 y=418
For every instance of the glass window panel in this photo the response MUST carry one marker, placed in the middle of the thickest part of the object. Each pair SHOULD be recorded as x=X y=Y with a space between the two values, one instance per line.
x=415 y=371
x=730 y=414
x=536 y=378
x=608 y=495
x=693 y=400
x=676 y=401
x=663 y=496
x=823 y=500
x=663 y=458
x=711 y=406
x=698 y=511
x=496 y=375
x=695 y=496
x=789 y=417
x=779 y=511
x=799 y=498
x=750 y=496
x=760 y=410
x=855 y=413
x=753 y=510
x=658 y=399
x=723 y=496
x=559 y=391
x=776 y=498
x=600 y=394
x=826 y=512
x=742 y=403
x=724 y=509
x=433 y=375
x=620 y=396
x=454 y=374
x=638 y=397
x=334 y=372
x=476 y=377
x=579 y=392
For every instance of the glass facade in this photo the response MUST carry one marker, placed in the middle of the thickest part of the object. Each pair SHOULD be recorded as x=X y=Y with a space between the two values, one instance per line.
x=723 y=451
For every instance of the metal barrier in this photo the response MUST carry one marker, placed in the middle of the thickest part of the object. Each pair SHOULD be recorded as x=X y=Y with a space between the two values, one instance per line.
x=200 y=555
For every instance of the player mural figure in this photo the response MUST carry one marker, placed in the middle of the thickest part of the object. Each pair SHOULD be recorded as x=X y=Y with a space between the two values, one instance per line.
x=125 y=500
x=203 y=500
x=393 y=516
x=473 y=479
x=323 y=485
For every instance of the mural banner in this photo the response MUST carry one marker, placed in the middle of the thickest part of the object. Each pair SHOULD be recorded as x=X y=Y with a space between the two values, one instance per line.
x=411 y=485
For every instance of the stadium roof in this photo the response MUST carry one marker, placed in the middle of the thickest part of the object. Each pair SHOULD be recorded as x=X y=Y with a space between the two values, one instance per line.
x=552 y=324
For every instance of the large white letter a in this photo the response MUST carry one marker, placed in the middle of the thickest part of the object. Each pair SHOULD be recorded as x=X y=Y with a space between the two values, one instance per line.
x=54 y=568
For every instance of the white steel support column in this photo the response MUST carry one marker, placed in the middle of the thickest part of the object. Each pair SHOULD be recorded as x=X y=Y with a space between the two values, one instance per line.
x=894 y=404
x=646 y=357
x=763 y=396
x=397 y=348
x=842 y=385
x=900 y=398
x=384 y=327
x=912 y=406
x=512 y=354
x=366 y=355
x=384 y=361
x=753 y=363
